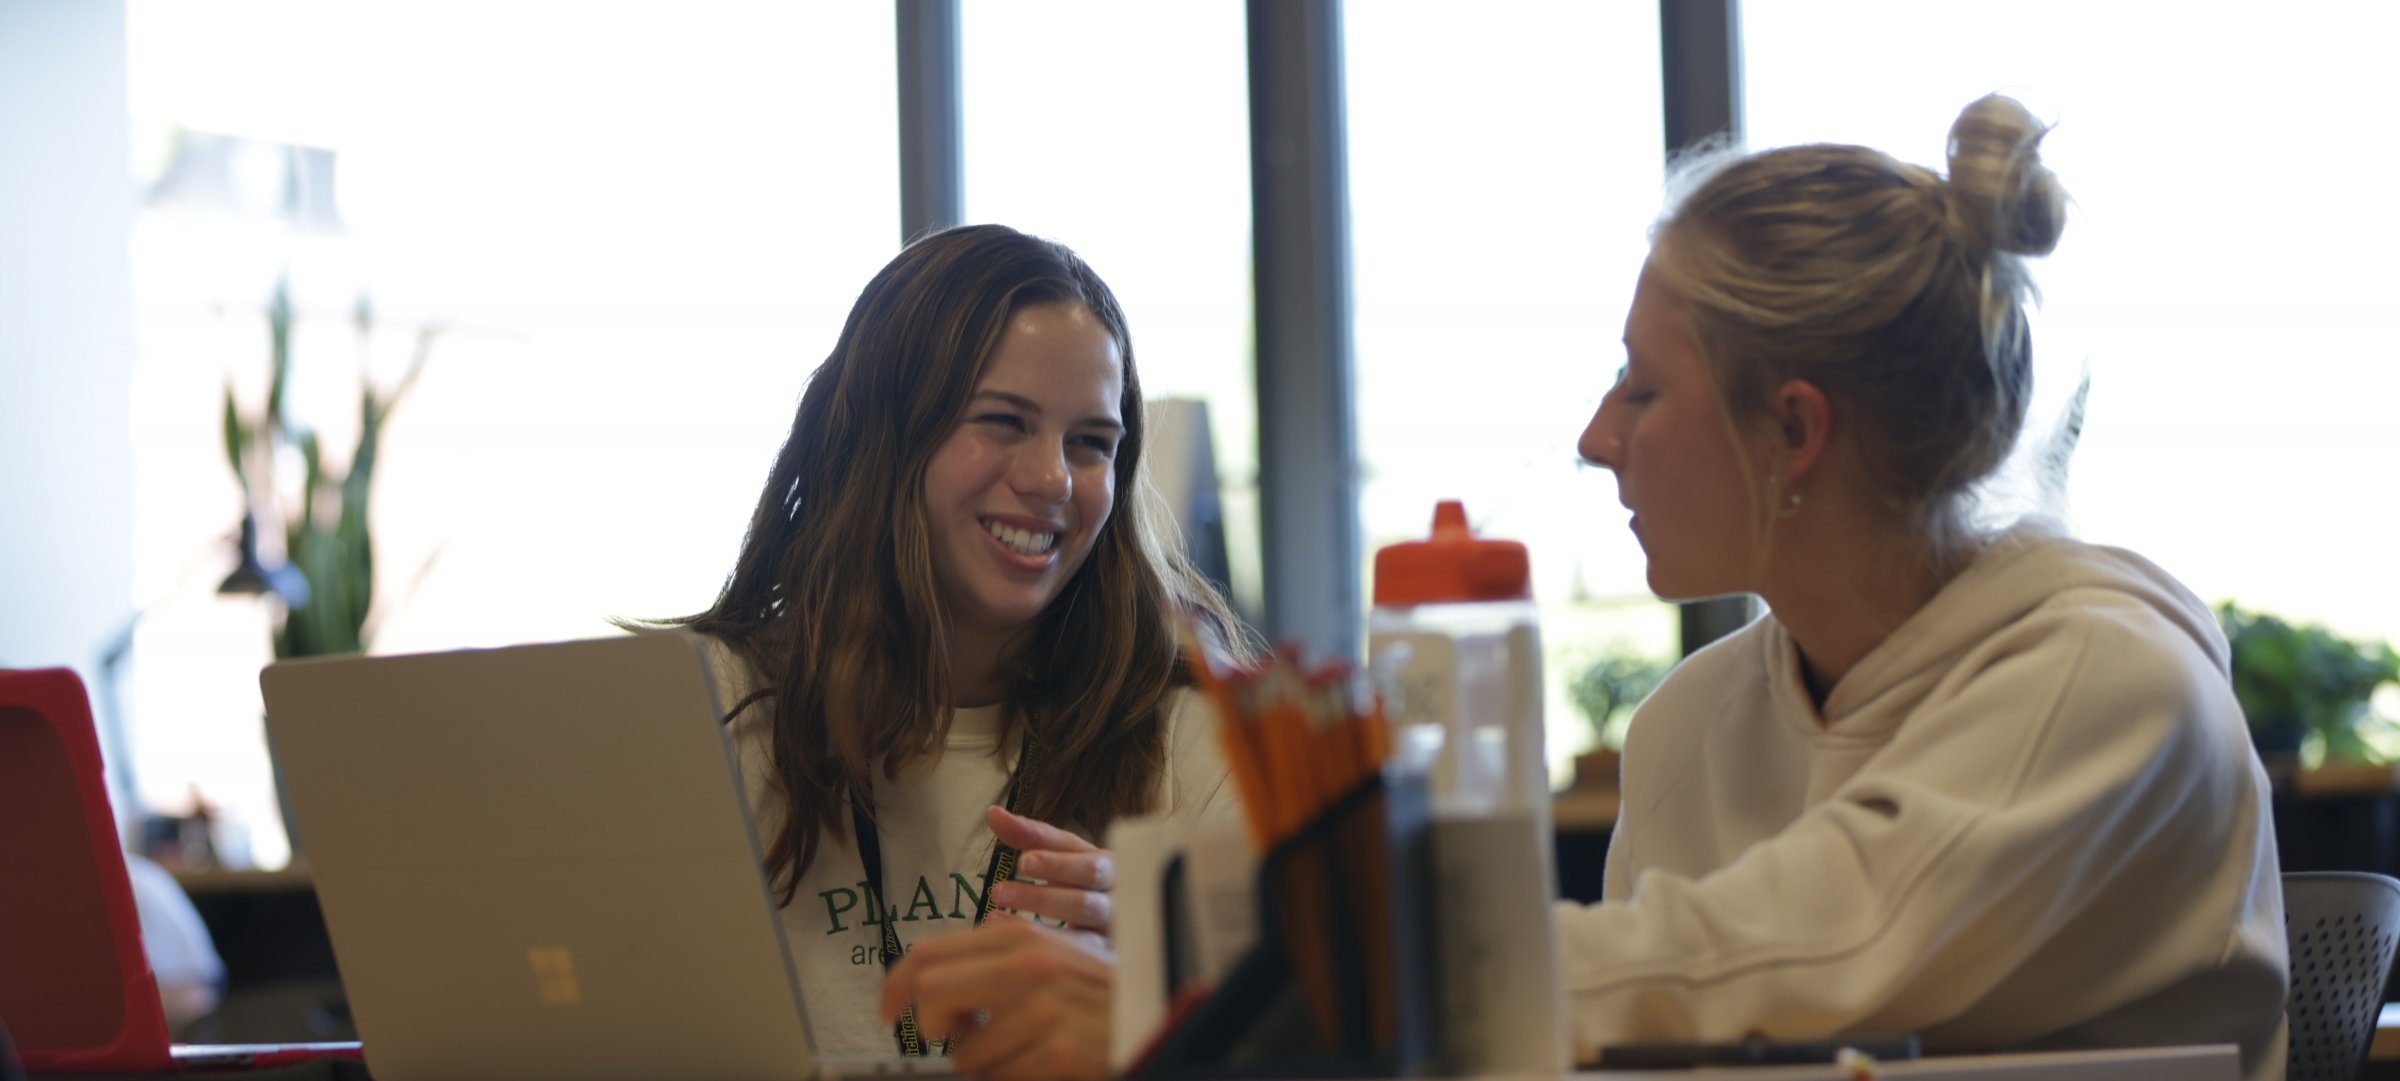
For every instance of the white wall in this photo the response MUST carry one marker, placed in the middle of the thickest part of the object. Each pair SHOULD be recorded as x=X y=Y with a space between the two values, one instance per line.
x=66 y=332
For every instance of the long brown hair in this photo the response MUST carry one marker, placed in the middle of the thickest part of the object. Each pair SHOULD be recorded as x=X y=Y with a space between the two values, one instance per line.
x=833 y=601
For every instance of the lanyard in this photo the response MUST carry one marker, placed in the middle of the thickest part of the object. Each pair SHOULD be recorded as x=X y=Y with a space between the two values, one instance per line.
x=870 y=854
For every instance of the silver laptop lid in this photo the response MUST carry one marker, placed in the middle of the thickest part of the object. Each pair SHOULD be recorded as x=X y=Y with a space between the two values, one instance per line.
x=537 y=862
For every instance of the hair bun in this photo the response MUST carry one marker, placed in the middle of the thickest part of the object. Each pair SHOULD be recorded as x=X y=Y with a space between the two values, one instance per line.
x=2002 y=197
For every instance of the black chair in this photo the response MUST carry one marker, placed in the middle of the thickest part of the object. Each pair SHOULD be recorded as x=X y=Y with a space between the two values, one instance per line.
x=2341 y=927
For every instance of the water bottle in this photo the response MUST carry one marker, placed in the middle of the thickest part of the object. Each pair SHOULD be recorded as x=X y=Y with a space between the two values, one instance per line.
x=1455 y=640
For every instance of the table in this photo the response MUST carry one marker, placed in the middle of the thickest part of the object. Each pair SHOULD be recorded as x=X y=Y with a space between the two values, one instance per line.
x=2386 y=1047
x=2218 y=1062
x=1584 y=810
x=215 y=882
x=1594 y=806
x=2213 y=1062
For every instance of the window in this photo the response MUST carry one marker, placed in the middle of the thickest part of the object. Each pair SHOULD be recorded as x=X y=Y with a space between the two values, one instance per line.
x=630 y=263
x=2222 y=274
x=1121 y=130
x=1504 y=169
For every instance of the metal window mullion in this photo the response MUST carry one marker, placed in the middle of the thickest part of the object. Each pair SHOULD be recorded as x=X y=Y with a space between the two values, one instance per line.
x=932 y=173
x=1700 y=54
x=1307 y=434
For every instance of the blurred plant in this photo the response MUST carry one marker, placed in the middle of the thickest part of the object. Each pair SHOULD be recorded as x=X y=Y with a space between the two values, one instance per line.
x=325 y=530
x=1606 y=690
x=2305 y=689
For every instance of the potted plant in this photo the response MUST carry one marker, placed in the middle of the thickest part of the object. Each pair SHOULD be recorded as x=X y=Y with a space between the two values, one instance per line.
x=2304 y=689
x=328 y=585
x=1605 y=691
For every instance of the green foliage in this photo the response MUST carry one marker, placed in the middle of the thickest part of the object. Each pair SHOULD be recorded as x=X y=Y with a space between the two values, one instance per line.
x=1606 y=690
x=325 y=528
x=2305 y=683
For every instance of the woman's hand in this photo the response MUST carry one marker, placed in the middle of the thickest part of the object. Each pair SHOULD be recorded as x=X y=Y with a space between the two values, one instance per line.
x=1075 y=873
x=1023 y=1000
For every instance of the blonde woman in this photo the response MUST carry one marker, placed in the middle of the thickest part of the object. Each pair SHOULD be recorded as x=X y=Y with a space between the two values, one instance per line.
x=1991 y=788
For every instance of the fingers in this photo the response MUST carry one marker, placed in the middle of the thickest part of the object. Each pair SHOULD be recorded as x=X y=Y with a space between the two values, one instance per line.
x=1080 y=908
x=1057 y=1029
x=936 y=955
x=1028 y=835
x=949 y=997
x=1094 y=870
x=1009 y=963
x=1053 y=855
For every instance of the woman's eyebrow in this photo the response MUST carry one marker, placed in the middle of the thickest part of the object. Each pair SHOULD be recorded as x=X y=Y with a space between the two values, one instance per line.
x=1018 y=400
x=1028 y=405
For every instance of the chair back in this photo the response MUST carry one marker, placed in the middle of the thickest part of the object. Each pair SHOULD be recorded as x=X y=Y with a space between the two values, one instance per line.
x=78 y=995
x=2341 y=927
x=9 y=1070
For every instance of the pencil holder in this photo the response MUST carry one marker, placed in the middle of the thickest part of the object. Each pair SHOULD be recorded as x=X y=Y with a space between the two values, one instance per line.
x=1341 y=980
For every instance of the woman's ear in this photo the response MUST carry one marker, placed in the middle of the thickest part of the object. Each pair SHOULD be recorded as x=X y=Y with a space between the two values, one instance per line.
x=1803 y=419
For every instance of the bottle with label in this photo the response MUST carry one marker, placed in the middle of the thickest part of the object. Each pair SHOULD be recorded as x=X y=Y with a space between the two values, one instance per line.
x=1455 y=640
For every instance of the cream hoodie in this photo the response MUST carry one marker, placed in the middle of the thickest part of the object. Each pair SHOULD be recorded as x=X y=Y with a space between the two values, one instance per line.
x=937 y=847
x=2031 y=818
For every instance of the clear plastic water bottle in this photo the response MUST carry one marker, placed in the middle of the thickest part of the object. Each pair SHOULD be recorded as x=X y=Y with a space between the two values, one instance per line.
x=1455 y=640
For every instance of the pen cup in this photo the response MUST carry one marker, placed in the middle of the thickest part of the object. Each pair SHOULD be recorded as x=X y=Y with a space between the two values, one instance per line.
x=1341 y=980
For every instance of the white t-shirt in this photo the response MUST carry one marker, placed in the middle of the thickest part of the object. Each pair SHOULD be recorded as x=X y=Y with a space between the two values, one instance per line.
x=191 y=977
x=936 y=844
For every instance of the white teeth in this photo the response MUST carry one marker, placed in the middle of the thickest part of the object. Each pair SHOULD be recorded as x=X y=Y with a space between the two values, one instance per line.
x=1021 y=541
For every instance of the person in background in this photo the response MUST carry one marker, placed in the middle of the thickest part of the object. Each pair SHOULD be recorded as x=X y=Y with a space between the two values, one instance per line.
x=951 y=597
x=182 y=955
x=1987 y=787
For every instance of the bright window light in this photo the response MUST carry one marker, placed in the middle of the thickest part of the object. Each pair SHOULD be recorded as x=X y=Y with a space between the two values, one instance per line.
x=633 y=230
x=1504 y=169
x=2224 y=276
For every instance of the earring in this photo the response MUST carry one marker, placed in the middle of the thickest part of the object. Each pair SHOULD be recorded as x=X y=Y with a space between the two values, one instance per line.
x=1790 y=505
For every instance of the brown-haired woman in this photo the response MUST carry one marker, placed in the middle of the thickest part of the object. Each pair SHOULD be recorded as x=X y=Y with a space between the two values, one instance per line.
x=950 y=597
x=1990 y=787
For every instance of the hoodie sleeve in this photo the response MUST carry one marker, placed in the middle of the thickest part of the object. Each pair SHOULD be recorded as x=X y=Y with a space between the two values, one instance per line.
x=2003 y=808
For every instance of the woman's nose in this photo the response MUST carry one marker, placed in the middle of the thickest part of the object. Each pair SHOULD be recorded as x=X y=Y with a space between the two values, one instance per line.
x=1040 y=472
x=1599 y=444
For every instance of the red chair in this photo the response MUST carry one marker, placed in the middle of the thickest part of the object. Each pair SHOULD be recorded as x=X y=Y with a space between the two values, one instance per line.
x=78 y=995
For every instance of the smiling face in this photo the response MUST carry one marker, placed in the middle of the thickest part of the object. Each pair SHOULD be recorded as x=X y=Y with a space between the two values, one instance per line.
x=1662 y=431
x=1017 y=494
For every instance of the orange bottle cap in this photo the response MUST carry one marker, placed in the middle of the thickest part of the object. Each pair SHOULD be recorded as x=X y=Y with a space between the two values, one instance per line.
x=1453 y=565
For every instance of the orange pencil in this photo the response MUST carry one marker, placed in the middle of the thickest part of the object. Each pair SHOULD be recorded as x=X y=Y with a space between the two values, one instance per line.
x=1242 y=754
x=1284 y=729
x=1332 y=748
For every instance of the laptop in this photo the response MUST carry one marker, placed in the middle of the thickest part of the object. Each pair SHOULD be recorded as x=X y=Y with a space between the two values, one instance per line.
x=77 y=994
x=539 y=862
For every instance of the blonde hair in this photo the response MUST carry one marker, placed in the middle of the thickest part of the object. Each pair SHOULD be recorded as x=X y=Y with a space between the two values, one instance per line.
x=1897 y=292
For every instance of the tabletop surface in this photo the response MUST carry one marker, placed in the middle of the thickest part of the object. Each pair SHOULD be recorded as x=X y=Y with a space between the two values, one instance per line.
x=2218 y=1062
x=2214 y=1062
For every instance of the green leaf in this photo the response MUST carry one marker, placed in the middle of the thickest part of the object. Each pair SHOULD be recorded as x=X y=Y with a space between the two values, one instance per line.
x=1611 y=685
x=2308 y=677
x=279 y=349
x=328 y=539
x=312 y=474
x=237 y=441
